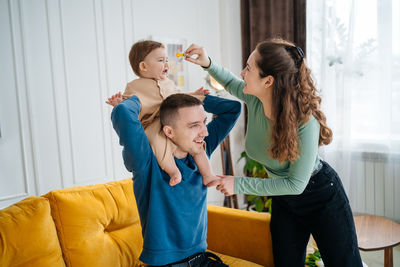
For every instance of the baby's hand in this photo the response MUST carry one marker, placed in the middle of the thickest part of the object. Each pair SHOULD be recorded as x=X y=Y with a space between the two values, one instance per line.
x=200 y=91
x=115 y=99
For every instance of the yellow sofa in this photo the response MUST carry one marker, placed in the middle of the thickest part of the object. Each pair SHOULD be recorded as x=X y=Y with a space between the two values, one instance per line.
x=98 y=225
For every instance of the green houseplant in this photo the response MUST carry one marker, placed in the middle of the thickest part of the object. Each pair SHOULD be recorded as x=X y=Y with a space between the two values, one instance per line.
x=253 y=168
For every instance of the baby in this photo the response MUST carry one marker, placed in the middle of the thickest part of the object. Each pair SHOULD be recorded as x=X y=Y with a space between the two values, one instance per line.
x=149 y=62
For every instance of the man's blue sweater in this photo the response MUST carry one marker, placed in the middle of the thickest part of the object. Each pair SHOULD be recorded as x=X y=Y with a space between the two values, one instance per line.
x=173 y=219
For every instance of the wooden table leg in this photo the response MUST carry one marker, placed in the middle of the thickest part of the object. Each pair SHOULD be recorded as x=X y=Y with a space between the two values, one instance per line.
x=389 y=257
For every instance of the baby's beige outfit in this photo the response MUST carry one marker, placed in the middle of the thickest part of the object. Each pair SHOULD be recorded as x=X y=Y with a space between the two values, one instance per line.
x=151 y=93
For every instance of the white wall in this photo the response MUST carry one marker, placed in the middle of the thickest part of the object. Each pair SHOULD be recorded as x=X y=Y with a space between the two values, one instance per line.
x=59 y=60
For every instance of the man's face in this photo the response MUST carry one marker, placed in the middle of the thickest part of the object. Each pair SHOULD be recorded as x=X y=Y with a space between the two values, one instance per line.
x=189 y=130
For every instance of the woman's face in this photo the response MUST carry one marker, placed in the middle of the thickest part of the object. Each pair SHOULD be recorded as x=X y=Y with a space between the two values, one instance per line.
x=250 y=75
x=253 y=83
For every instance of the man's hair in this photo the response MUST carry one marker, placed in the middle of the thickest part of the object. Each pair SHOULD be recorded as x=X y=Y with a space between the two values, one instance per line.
x=170 y=106
x=139 y=51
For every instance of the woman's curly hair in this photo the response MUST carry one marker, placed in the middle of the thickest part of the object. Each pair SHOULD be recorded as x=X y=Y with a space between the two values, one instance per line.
x=294 y=97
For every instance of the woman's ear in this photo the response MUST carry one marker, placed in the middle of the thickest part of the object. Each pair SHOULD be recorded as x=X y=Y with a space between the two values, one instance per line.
x=268 y=81
x=142 y=66
x=168 y=131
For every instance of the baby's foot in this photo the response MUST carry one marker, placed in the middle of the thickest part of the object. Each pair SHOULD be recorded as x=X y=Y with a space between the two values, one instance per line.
x=209 y=178
x=175 y=180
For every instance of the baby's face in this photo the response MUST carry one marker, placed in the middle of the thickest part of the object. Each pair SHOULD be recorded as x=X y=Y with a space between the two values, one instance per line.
x=156 y=64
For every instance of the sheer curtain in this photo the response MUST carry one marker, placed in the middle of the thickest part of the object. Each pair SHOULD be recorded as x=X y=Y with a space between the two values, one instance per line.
x=353 y=49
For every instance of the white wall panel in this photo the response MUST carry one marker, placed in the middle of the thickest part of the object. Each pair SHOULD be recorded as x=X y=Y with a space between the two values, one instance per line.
x=83 y=75
x=17 y=175
x=40 y=94
x=62 y=111
x=116 y=49
x=13 y=179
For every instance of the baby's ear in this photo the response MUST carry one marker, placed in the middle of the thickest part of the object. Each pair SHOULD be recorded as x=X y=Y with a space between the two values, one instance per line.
x=142 y=66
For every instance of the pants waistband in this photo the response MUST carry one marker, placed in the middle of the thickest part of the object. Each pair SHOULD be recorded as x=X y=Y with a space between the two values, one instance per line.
x=319 y=167
x=194 y=260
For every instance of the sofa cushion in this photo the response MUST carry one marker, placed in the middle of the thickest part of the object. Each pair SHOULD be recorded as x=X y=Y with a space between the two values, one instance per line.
x=98 y=225
x=240 y=233
x=28 y=235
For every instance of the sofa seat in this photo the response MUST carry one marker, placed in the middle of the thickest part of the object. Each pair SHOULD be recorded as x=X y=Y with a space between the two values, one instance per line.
x=98 y=225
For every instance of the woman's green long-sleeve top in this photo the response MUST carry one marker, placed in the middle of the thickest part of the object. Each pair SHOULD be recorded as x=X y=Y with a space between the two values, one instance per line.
x=288 y=178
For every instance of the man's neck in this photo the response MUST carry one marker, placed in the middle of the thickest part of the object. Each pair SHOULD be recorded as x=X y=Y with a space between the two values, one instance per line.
x=180 y=154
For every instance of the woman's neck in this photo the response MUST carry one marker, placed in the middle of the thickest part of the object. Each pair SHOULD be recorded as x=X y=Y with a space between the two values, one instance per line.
x=266 y=100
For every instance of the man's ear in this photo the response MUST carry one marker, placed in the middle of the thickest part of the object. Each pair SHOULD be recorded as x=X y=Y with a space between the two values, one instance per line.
x=142 y=66
x=268 y=81
x=168 y=131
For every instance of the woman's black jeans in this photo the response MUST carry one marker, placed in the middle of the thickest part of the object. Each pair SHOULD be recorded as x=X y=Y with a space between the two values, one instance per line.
x=322 y=210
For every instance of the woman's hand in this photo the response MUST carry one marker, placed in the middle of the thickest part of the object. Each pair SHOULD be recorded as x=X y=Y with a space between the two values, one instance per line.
x=115 y=99
x=226 y=184
x=202 y=57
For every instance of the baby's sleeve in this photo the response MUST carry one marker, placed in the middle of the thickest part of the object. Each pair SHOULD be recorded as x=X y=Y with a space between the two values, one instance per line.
x=128 y=92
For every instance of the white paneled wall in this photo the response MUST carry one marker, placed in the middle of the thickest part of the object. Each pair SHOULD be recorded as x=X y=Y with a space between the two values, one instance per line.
x=16 y=163
x=59 y=60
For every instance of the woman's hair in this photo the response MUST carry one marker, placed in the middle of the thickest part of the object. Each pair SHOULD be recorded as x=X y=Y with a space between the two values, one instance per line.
x=139 y=51
x=294 y=97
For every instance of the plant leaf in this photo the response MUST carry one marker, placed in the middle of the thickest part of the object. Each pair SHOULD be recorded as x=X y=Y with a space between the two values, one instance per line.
x=259 y=205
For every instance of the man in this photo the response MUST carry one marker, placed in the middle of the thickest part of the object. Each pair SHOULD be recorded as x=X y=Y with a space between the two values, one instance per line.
x=173 y=219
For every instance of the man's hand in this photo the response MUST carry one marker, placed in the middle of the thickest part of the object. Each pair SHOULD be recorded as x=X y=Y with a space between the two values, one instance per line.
x=226 y=184
x=115 y=99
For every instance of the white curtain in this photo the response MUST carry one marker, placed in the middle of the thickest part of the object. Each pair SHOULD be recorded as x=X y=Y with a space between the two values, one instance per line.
x=353 y=49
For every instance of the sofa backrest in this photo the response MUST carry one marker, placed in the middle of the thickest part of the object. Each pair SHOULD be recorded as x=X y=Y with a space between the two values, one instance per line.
x=98 y=225
x=28 y=235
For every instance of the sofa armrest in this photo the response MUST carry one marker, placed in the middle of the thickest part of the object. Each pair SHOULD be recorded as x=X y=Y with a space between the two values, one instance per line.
x=241 y=234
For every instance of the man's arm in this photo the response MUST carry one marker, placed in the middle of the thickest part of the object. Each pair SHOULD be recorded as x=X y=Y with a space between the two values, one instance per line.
x=136 y=149
x=227 y=112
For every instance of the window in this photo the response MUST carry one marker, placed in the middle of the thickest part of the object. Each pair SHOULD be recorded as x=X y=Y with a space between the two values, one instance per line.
x=354 y=53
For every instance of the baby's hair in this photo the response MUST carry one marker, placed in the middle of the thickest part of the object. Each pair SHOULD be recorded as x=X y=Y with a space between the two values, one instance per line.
x=170 y=106
x=139 y=51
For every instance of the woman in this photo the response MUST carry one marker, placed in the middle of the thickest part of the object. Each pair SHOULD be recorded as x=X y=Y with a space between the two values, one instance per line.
x=285 y=128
